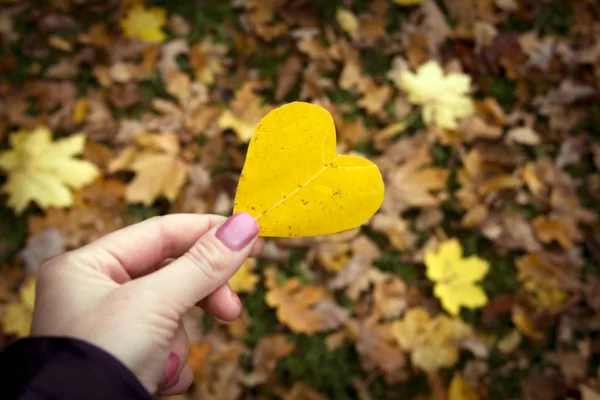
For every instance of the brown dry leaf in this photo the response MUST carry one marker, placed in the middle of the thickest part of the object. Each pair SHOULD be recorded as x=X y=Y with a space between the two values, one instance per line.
x=374 y=98
x=208 y=59
x=432 y=342
x=356 y=277
x=287 y=76
x=572 y=364
x=97 y=210
x=389 y=298
x=159 y=170
x=564 y=230
x=261 y=16
x=546 y=282
x=295 y=303
x=412 y=183
x=523 y=135
x=396 y=229
x=476 y=127
x=511 y=231
x=245 y=111
x=480 y=181
x=222 y=376
x=167 y=62
x=299 y=391
x=267 y=353
x=377 y=348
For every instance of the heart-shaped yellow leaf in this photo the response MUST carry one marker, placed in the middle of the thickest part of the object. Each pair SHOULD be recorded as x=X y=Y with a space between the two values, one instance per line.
x=294 y=183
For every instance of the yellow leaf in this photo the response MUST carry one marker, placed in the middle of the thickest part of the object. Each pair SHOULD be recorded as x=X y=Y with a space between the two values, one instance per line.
x=294 y=184
x=433 y=343
x=461 y=389
x=244 y=280
x=80 y=110
x=145 y=23
x=44 y=171
x=408 y=2
x=17 y=316
x=455 y=277
x=445 y=99
x=159 y=170
x=347 y=21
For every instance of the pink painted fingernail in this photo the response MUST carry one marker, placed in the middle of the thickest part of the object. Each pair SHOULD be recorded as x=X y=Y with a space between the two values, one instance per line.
x=172 y=367
x=238 y=231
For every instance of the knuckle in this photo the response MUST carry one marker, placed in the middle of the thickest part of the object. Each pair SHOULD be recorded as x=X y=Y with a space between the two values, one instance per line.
x=208 y=258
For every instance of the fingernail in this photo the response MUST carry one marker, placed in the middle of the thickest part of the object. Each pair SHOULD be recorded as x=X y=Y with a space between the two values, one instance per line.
x=172 y=367
x=238 y=231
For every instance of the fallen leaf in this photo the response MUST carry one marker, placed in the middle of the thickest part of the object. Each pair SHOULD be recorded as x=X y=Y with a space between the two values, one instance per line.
x=432 y=342
x=444 y=99
x=544 y=281
x=347 y=20
x=456 y=277
x=461 y=389
x=144 y=23
x=524 y=135
x=245 y=280
x=305 y=189
x=244 y=113
x=377 y=348
x=18 y=315
x=97 y=210
x=159 y=170
x=267 y=353
x=294 y=303
x=412 y=183
x=43 y=171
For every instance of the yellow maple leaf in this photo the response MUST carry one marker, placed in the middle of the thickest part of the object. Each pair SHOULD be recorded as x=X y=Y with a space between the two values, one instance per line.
x=408 y=2
x=18 y=315
x=159 y=170
x=244 y=280
x=455 y=277
x=433 y=342
x=145 y=23
x=444 y=99
x=461 y=389
x=44 y=171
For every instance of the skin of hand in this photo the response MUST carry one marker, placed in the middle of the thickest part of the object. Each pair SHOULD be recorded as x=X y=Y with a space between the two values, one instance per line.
x=127 y=292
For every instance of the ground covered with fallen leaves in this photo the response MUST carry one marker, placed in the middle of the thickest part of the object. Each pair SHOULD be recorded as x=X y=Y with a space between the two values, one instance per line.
x=479 y=276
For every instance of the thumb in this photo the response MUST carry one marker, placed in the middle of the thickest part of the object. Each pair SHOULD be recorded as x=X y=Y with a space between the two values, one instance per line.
x=207 y=265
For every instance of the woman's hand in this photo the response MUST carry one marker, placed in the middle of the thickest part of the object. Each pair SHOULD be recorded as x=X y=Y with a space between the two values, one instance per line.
x=127 y=292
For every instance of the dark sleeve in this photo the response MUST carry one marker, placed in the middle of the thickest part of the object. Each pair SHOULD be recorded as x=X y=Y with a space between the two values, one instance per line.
x=53 y=368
